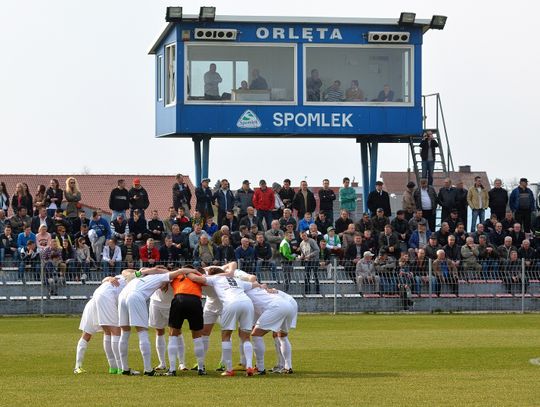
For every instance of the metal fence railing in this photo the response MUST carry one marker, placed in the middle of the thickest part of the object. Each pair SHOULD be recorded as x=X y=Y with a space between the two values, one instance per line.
x=332 y=285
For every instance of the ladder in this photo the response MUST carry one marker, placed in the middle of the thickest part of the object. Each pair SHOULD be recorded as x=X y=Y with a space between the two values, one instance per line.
x=444 y=163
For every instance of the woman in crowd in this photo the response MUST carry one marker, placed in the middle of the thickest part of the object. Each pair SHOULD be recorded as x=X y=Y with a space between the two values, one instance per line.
x=54 y=197
x=21 y=199
x=39 y=199
x=43 y=238
x=4 y=198
x=73 y=196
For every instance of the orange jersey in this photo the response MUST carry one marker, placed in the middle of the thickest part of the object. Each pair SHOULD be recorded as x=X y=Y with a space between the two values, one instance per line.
x=183 y=285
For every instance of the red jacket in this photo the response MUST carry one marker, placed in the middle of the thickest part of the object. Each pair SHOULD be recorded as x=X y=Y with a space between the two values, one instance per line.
x=143 y=253
x=264 y=200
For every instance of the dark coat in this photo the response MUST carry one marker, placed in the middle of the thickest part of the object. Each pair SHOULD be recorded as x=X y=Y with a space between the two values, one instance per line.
x=300 y=205
x=204 y=201
x=379 y=200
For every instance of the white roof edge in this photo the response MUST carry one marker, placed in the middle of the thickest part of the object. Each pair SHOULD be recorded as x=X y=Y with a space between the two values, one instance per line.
x=283 y=19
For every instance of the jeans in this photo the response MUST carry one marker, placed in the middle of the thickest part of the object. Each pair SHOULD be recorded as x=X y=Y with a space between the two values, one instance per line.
x=419 y=282
x=427 y=170
x=267 y=216
x=288 y=269
x=478 y=215
x=310 y=271
x=265 y=263
x=109 y=270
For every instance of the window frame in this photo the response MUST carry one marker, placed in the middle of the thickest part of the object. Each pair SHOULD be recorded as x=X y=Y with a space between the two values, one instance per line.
x=167 y=100
x=293 y=46
x=159 y=78
x=408 y=47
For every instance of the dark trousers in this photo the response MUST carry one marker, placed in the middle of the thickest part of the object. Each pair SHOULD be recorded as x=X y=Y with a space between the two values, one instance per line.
x=429 y=215
x=524 y=217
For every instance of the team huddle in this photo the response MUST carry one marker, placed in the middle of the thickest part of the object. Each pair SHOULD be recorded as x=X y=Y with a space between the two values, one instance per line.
x=233 y=297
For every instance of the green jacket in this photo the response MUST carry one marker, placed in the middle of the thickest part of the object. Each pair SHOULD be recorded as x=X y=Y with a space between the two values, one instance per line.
x=347 y=198
x=285 y=250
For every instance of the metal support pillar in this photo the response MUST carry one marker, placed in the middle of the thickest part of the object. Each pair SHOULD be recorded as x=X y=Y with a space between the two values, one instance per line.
x=205 y=156
x=197 y=151
x=369 y=155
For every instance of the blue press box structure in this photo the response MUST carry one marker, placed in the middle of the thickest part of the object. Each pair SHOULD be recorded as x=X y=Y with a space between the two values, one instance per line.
x=289 y=66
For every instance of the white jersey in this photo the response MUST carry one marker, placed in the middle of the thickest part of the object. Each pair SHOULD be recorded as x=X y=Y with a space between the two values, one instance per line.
x=109 y=290
x=162 y=299
x=212 y=303
x=261 y=299
x=145 y=285
x=228 y=289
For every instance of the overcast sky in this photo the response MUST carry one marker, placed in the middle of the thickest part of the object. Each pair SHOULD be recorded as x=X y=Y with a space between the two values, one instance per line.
x=77 y=88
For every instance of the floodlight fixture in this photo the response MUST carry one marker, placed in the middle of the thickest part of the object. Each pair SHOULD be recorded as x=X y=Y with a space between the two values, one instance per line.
x=207 y=14
x=173 y=15
x=438 y=22
x=406 y=18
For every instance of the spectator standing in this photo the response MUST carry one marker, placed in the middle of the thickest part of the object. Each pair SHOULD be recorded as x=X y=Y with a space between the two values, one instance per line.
x=408 y=203
x=304 y=200
x=365 y=273
x=4 y=198
x=138 y=198
x=72 y=194
x=53 y=197
x=204 y=197
x=224 y=200
x=522 y=204
x=264 y=202
x=39 y=199
x=287 y=258
x=3 y=222
x=277 y=212
x=447 y=198
x=22 y=199
x=478 y=200
x=309 y=255
x=286 y=193
x=498 y=199
x=427 y=154
x=181 y=194
x=313 y=86
x=461 y=203
x=119 y=199
x=379 y=199
x=426 y=200
x=326 y=201
x=244 y=199
x=274 y=236
x=347 y=197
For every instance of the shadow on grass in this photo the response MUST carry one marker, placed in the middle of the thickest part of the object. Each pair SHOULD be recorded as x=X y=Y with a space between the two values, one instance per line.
x=309 y=374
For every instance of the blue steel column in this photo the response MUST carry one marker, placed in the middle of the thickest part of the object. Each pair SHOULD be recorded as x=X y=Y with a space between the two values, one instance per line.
x=365 y=172
x=205 y=156
x=197 y=151
x=373 y=165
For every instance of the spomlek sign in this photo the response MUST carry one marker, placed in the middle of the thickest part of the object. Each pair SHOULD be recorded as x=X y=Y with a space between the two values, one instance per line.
x=312 y=119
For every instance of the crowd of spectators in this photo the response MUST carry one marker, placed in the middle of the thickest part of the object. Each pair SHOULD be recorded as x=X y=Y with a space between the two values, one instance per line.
x=274 y=230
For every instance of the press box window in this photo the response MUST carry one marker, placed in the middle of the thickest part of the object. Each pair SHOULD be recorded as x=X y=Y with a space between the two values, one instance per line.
x=237 y=73
x=170 y=74
x=359 y=74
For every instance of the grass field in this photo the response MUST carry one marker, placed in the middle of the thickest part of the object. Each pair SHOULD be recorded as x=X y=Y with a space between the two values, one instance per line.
x=345 y=360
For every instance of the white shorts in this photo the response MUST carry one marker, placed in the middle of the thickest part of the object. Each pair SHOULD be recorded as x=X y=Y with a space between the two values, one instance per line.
x=89 y=322
x=294 y=304
x=159 y=316
x=238 y=311
x=106 y=310
x=278 y=317
x=210 y=317
x=133 y=311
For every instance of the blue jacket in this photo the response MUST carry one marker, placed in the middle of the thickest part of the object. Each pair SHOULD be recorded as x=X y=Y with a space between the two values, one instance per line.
x=101 y=227
x=224 y=200
x=242 y=254
x=514 y=199
x=22 y=240
x=415 y=239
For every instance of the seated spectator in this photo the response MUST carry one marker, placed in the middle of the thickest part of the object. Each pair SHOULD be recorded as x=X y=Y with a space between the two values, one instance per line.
x=168 y=254
x=379 y=221
x=401 y=228
x=369 y=242
x=236 y=237
x=453 y=251
x=257 y=81
x=3 y=221
x=508 y=222
x=322 y=222
x=488 y=257
x=25 y=236
x=149 y=254
x=137 y=227
x=460 y=234
x=388 y=240
x=364 y=223
x=354 y=93
x=62 y=235
x=445 y=272
x=197 y=219
x=205 y=253
x=443 y=234
x=416 y=219
x=343 y=222
x=469 y=254
x=83 y=260
x=517 y=235
x=250 y=219
x=18 y=221
x=419 y=238
x=507 y=248
x=432 y=247
x=333 y=242
x=314 y=234
x=195 y=236
x=130 y=253
x=479 y=231
x=156 y=227
x=287 y=218
x=274 y=237
x=263 y=258
x=60 y=220
x=347 y=237
x=43 y=238
x=353 y=254
x=183 y=222
x=29 y=264
x=225 y=252
x=497 y=236
x=324 y=259
x=489 y=224
x=530 y=256
x=511 y=272
x=385 y=266
x=170 y=220
x=101 y=231
x=453 y=220
x=41 y=219
x=112 y=258
x=334 y=93
x=305 y=222
x=420 y=270
x=84 y=234
x=252 y=234
x=231 y=221
x=365 y=273
x=216 y=237
x=386 y=94
x=244 y=255
x=210 y=227
x=67 y=264
x=404 y=273
x=309 y=256
x=76 y=223
x=119 y=228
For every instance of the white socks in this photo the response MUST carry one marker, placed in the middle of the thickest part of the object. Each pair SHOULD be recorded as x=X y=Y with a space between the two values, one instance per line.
x=286 y=350
x=107 y=347
x=242 y=354
x=280 y=360
x=161 y=347
x=115 y=343
x=226 y=349
x=173 y=352
x=248 y=352
x=259 y=348
x=146 y=352
x=206 y=343
x=123 y=346
x=181 y=350
x=198 y=347
x=81 y=349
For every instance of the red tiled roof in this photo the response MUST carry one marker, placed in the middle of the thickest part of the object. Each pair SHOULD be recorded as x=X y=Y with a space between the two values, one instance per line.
x=395 y=181
x=95 y=189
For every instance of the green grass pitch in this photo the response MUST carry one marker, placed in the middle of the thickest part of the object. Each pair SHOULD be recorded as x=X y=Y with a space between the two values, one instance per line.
x=344 y=360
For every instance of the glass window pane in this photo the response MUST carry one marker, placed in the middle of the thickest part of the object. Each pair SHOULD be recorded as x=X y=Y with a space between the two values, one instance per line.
x=358 y=74
x=159 y=79
x=170 y=75
x=240 y=73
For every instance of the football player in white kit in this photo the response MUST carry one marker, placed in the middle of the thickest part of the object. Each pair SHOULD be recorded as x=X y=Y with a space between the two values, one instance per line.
x=159 y=310
x=101 y=314
x=133 y=311
x=237 y=308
